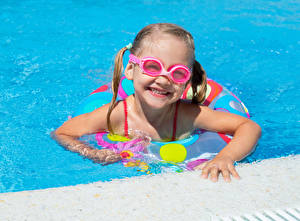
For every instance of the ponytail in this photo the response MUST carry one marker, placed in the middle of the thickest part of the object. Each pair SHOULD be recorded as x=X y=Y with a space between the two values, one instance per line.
x=118 y=68
x=198 y=82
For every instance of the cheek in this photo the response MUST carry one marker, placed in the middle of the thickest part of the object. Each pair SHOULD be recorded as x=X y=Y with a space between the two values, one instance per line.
x=180 y=89
x=137 y=74
x=140 y=78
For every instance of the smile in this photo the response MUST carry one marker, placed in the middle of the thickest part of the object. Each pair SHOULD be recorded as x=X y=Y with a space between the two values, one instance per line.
x=158 y=93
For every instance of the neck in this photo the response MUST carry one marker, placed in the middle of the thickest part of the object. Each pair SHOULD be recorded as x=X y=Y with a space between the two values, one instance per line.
x=154 y=116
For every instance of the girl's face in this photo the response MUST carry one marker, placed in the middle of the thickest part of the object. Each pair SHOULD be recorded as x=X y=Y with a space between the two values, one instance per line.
x=160 y=91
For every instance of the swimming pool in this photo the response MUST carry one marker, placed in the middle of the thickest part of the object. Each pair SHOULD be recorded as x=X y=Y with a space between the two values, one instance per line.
x=54 y=54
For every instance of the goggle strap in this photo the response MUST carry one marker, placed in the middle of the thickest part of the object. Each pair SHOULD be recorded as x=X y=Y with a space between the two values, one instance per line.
x=134 y=59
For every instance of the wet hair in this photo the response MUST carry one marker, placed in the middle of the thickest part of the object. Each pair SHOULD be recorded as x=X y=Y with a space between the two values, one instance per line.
x=198 y=77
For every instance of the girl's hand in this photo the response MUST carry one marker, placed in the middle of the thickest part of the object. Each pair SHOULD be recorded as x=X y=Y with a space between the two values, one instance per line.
x=220 y=164
x=105 y=156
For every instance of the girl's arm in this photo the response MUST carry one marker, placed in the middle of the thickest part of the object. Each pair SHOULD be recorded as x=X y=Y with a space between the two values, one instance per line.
x=245 y=134
x=67 y=135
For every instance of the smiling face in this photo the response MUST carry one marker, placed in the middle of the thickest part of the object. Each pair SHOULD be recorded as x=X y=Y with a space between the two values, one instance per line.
x=160 y=91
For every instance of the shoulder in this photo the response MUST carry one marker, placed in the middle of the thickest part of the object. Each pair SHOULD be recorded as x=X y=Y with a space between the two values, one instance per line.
x=195 y=114
x=188 y=113
x=191 y=109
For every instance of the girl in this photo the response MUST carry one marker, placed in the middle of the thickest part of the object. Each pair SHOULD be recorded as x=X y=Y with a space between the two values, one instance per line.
x=162 y=62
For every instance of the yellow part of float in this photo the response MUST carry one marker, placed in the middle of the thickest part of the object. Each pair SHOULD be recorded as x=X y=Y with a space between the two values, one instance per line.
x=133 y=164
x=115 y=137
x=173 y=152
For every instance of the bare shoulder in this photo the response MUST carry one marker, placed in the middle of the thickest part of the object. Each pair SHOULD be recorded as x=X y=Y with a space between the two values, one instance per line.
x=205 y=118
x=190 y=110
x=194 y=110
x=188 y=113
x=117 y=114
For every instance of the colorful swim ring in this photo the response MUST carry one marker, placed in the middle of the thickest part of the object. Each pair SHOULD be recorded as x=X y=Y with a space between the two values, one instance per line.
x=199 y=147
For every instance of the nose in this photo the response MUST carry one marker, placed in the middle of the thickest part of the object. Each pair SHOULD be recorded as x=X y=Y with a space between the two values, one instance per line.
x=163 y=79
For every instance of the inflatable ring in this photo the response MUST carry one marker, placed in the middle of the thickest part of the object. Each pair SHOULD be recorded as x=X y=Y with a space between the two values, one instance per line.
x=199 y=147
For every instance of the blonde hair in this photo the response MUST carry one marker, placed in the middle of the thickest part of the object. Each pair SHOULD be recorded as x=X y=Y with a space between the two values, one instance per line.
x=198 y=79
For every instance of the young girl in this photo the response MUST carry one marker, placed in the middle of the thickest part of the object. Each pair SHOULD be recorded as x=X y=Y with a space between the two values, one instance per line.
x=162 y=63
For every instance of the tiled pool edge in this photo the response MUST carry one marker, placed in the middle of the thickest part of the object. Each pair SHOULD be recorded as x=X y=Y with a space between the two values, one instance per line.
x=269 y=185
x=291 y=214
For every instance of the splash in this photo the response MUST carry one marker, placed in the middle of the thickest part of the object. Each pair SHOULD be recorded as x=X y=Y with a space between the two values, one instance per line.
x=134 y=152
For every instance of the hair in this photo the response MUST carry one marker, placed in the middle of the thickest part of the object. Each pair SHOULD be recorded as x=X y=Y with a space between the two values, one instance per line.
x=198 y=78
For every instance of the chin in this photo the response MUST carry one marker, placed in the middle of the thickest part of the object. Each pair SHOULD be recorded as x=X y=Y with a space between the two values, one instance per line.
x=158 y=101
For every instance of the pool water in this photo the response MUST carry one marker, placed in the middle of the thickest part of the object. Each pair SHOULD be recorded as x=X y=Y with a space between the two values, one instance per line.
x=53 y=54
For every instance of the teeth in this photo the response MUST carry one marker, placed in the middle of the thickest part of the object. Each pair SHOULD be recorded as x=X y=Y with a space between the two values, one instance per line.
x=158 y=92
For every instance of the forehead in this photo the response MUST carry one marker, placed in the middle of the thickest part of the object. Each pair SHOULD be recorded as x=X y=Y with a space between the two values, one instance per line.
x=168 y=48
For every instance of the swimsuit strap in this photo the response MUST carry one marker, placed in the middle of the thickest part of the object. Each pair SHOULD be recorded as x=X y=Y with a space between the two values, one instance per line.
x=126 y=120
x=175 y=122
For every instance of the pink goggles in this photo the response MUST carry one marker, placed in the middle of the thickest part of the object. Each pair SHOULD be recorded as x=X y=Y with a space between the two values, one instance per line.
x=151 y=66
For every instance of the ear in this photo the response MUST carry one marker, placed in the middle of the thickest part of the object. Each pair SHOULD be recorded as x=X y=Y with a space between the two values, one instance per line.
x=129 y=71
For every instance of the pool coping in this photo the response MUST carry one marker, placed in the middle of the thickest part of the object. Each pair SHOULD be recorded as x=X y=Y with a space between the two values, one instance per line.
x=271 y=184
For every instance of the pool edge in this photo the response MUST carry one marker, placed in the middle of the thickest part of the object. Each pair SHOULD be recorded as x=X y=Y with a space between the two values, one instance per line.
x=268 y=185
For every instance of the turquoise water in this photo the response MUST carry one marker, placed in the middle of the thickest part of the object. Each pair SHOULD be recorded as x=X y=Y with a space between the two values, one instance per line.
x=54 y=54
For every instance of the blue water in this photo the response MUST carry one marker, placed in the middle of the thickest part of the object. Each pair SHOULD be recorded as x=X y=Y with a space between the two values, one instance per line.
x=54 y=53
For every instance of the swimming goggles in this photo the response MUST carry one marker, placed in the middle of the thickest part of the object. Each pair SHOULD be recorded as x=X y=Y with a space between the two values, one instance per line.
x=151 y=66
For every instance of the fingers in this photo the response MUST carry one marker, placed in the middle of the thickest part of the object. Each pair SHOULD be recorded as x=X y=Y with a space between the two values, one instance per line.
x=234 y=172
x=200 y=166
x=226 y=175
x=205 y=171
x=212 y=170
x=214 y=174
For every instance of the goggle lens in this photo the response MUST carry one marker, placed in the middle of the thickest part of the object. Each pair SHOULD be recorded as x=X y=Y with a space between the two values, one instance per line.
x=179 y=74
x=152 y=67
